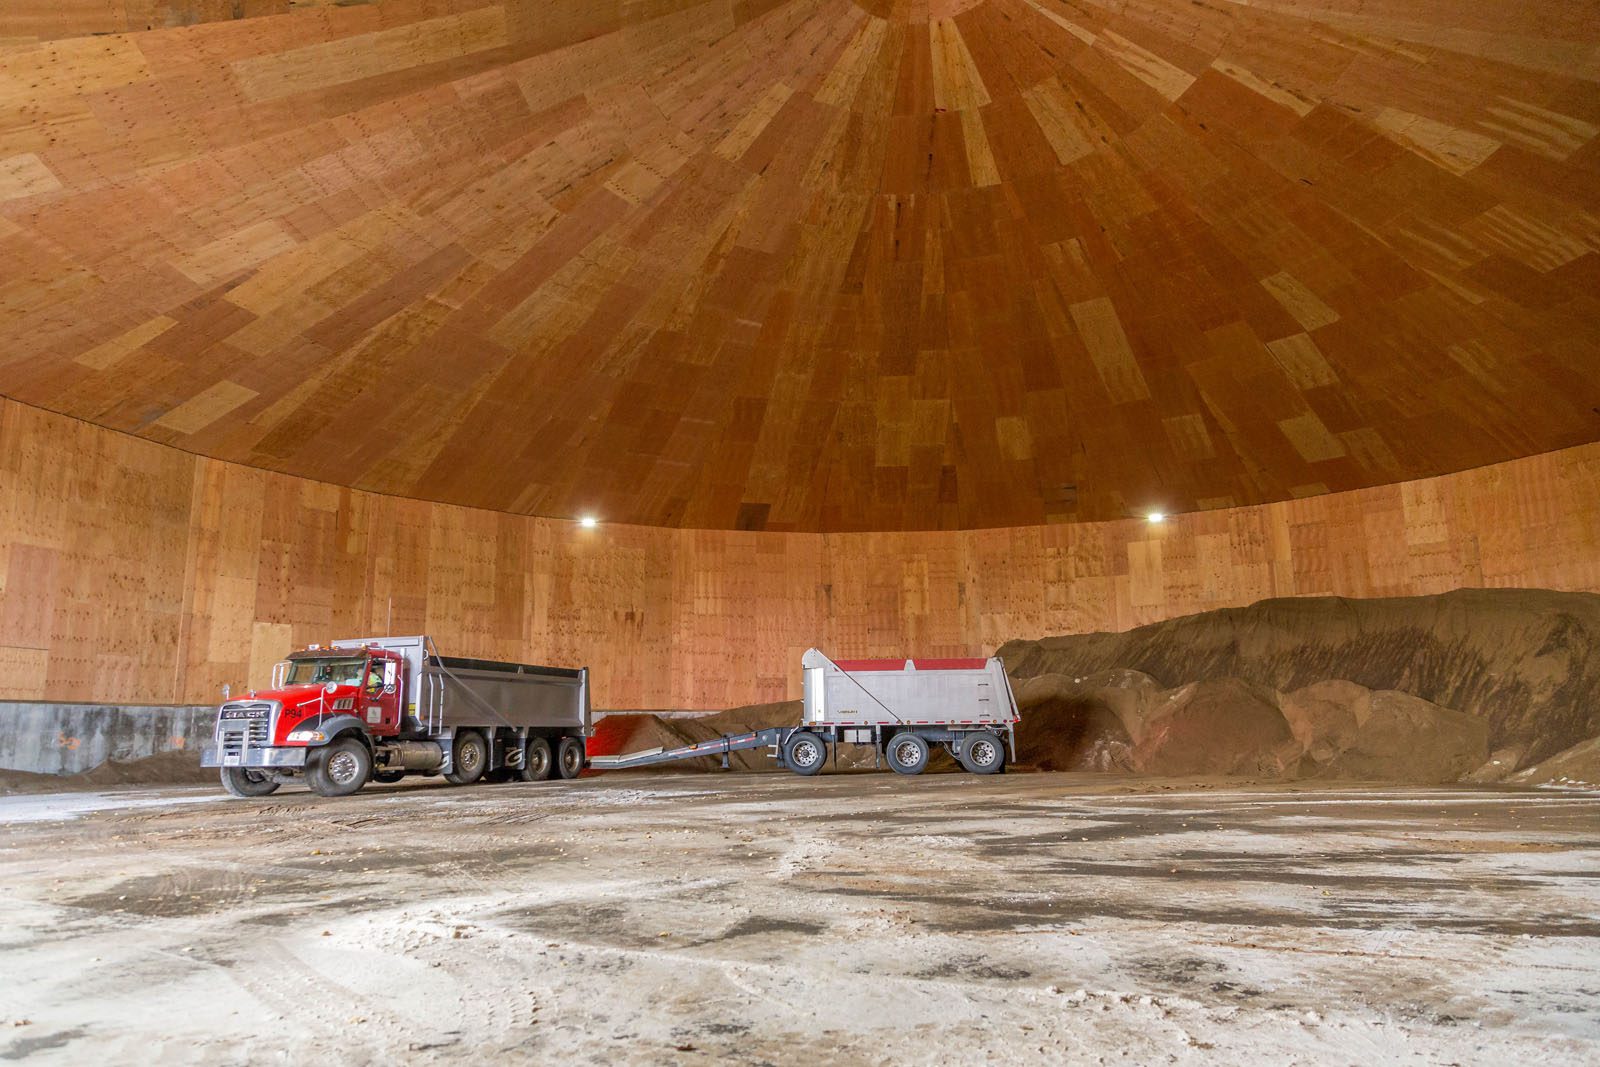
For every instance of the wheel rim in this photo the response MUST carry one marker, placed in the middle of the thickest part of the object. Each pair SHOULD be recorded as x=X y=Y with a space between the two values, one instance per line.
x=539 y=761
x=469 y=757
x=982 y=753
x=907 y=753
x=255 y=777
x=806 y=753
x=569 y=759
x=343 y=768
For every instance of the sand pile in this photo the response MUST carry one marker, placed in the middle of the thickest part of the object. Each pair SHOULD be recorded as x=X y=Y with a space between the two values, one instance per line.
x=1125 y=721
x=165 y=768
x=1576 y=768
x=1521 y=663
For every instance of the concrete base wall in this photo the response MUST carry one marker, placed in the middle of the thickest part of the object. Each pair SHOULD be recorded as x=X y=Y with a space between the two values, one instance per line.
x=49 y=738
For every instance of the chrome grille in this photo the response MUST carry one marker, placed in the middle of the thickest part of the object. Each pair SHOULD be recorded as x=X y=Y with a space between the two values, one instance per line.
x=232 y=739
x=235 y=735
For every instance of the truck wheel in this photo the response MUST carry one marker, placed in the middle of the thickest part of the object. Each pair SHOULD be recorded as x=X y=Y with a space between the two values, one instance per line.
x=245 y=783
x=339 y=768
x=908 y=753
x=983 y=753
x=537 y=762
x=569 y=757
x=468 y=757
x=805 y=752
x=387 y=777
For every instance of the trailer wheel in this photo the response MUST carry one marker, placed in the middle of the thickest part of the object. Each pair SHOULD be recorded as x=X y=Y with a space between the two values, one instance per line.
x=469 y=755
x=339 y=768
x=245 y=783
x=983 y=753
x=537 y=762
x=805 y=752
x=908 y=753
x=569 y=757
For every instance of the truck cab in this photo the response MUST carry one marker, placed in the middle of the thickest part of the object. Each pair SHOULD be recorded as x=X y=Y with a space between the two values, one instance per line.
x=328 y=684
x=317 y=695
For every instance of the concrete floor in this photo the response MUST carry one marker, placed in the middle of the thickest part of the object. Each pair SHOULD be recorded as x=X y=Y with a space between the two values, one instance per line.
x=846 y=919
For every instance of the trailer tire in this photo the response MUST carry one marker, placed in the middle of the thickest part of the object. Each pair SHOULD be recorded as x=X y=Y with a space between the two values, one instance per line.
x=907 y=753
x=244 y=783
x=537 y=761
x=339 y=768
x=469 y=755
x=982 y=753
x=805 y=753
x=569 y=757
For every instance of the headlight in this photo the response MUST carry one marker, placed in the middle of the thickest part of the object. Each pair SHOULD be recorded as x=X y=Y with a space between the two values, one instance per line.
x=305 y=736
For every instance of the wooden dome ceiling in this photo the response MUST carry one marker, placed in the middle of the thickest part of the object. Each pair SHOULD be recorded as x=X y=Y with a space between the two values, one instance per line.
x=810 y=264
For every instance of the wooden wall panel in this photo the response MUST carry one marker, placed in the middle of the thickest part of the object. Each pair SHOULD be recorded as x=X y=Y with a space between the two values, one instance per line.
x=132 y=572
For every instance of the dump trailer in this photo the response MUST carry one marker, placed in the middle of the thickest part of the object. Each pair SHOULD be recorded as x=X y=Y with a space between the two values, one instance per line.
x=380 y=708
x=900 y=707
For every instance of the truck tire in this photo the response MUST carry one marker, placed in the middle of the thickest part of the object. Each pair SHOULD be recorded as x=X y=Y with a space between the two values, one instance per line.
x=245 y=783
x=537 y=761
x=805 y=753
x=907 y=753
x=469 y=755
x=338 y=768
x=387 y=777
x=983 y=753
x=569 y=757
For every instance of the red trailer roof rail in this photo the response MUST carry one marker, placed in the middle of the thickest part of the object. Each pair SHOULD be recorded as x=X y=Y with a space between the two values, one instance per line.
x=962 y=663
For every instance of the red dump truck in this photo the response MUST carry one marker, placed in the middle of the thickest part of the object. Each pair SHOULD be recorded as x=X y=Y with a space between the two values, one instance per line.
x=380 y=708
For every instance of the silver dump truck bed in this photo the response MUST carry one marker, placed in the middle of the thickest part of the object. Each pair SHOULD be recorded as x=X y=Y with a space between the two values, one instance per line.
x=920 y=692
x=446 y=692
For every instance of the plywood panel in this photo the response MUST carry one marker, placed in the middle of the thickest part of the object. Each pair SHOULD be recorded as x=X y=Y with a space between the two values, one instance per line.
x=130 y=571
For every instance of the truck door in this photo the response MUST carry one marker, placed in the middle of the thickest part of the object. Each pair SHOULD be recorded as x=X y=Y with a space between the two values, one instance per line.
x=379 y=702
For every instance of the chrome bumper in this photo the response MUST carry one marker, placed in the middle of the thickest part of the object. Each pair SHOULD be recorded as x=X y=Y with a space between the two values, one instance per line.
x=212 y=756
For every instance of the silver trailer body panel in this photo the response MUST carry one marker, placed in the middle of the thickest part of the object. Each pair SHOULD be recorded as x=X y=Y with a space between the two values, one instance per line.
x=937 y=695
x=444 y=693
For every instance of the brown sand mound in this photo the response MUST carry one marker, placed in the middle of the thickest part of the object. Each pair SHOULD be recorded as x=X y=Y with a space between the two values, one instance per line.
x=1399 y=737
x=1217 y=727
x=1576 y=768
x=1323 y=716
x=1523 y=661
x=166 y=768
x=1082 y=724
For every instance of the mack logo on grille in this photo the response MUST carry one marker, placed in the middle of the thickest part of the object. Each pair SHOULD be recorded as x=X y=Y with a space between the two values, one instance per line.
x=245 y=713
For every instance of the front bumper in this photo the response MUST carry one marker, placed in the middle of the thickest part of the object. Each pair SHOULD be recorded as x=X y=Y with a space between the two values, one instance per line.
x=212 y=756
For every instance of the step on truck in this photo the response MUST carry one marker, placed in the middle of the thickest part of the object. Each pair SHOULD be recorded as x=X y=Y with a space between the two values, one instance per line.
x=899 y=707
x=380 y=708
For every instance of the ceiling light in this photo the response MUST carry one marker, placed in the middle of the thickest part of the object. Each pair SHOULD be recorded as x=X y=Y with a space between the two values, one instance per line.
x=1156 y=517
x=588 y=522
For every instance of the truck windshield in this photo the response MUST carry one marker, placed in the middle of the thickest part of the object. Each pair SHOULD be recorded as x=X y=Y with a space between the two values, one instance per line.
x=323 y=671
